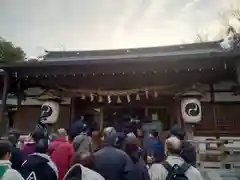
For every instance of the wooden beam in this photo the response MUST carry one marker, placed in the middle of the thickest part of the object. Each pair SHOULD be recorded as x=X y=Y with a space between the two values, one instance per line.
x=4 y=94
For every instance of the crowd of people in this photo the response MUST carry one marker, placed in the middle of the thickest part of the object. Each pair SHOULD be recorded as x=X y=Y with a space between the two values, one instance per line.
x=84 y=154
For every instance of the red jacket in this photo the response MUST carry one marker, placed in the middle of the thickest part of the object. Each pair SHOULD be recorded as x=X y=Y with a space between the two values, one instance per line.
x=61 y=155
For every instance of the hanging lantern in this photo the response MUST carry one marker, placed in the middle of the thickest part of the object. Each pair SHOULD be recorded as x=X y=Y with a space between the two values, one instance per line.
x=119 y=100
x=155 y=94
x=109 y=99
x=137 y=97
x=100 y=99
x=91 y=97
x=128 y=98
x=83 y=97
x=146 y=94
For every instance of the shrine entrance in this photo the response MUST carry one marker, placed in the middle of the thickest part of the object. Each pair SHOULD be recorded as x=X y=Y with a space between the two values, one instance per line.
x=152 y=118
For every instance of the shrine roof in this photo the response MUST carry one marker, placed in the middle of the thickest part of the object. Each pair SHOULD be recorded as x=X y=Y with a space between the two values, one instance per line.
x=196 y=48
x=176 y=52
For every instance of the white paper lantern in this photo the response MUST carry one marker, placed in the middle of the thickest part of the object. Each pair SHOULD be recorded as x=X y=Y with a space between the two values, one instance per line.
x=191 y=110
x=49 y=112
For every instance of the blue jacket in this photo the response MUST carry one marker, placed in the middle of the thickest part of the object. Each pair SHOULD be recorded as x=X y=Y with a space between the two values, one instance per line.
x=157 y=150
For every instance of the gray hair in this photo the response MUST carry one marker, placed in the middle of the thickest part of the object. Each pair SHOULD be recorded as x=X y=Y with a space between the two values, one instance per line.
x=62 y=132
x=109 y=132
x=174 y=145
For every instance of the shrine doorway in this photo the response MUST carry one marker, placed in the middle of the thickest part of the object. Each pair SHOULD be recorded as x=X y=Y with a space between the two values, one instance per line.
x=152 y=117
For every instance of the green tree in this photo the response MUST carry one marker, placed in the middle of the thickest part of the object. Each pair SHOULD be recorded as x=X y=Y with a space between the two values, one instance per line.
x=10 y=53
x=231 y=30
x=234 y=37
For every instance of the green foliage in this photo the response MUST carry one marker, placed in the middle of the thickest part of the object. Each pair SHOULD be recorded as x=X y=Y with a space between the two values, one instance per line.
x=232 y=31
x=236 y=13
x=10 y=53
x=235 y=37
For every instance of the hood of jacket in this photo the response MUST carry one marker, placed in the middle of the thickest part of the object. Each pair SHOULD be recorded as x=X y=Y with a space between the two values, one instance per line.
x=5 y=163
x=36 y=159
x=85 y=173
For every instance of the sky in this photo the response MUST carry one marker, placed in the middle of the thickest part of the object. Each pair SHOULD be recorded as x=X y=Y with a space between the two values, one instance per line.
x=36 y=25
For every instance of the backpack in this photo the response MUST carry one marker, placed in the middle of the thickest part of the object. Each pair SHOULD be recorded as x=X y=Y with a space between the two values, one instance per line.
x=176 y=172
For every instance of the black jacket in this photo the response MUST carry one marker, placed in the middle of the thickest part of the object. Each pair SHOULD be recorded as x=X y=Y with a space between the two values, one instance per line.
x=141 y=170
x=39 y=167
x=114 y=164
x=17 y=158
x=189 y=153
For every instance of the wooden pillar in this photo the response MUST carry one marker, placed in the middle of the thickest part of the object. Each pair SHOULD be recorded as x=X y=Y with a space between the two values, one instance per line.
x=11 y=114
x=212 y=101
x=146 y=111
x=72 y=110
x=180 y=121
x=176 y=112
x=4 y=94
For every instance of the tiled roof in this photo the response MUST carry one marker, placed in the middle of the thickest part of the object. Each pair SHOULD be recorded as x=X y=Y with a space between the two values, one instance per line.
x=187 y=49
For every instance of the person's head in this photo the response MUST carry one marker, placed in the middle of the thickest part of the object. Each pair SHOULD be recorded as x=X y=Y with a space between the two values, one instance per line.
x=5 y=150
x=154 y=134
x=173 y=146
x=96 y=135
x=12 y=139
x=96 y=138
x=42 y=146
x=38 y=134
x=108 y=133
x=86 y=159
x=131 y=146
x=62 y=133
x=53 y=136
x=178 y=132
x=119 y=142
x=14 y=132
